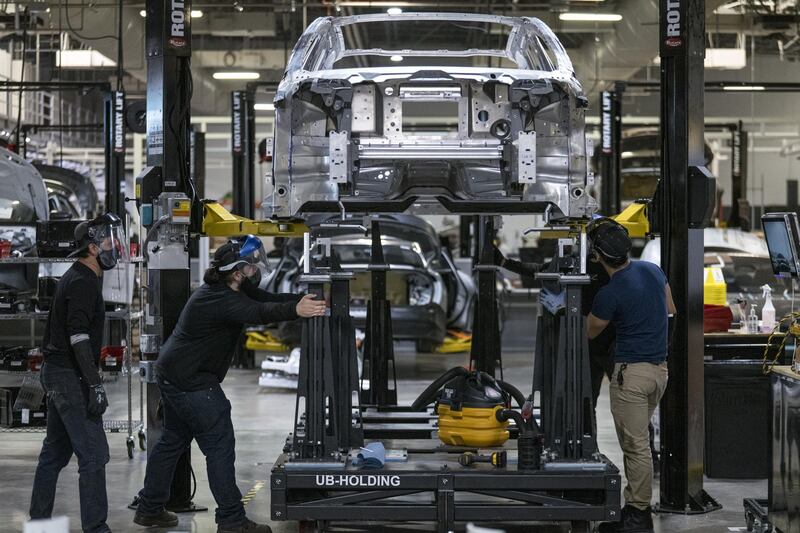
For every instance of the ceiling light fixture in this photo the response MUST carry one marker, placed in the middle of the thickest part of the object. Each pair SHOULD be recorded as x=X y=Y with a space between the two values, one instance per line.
x=197 y=13
x=264 y=107
x=590 y=17
x=238 y=6
x=744 y=88
x=236 y=75
x=394 y=11
x=143 y=13
x=396 y=58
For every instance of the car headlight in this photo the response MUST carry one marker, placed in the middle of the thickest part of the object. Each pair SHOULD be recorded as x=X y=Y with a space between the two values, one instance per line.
x=420 y=291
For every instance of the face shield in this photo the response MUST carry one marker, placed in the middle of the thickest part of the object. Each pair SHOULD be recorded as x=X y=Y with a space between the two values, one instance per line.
x=252 y=260
x=108 y=235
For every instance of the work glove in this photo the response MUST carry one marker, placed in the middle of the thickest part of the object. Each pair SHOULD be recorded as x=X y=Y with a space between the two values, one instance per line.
x=98 y=402
x=82 y=349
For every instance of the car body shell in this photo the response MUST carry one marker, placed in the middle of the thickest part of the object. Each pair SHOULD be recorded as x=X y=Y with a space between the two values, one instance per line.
x=340 y=138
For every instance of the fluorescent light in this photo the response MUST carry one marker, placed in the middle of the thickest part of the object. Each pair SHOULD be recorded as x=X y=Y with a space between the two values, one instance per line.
x=744 y=88
x=236 y=75
x=394 y=11
x=196 y=13
x=83 y=59
x=590 y=17
x=264 y=107
x=396 y=58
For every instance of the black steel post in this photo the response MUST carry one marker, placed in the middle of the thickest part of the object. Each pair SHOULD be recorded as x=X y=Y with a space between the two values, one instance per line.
x=243 y=150
x=378 y=343
x=168 y=48
x=738 y=174
x=114 y=134
x=611 y=135
x=485 y=353
x=682 y=415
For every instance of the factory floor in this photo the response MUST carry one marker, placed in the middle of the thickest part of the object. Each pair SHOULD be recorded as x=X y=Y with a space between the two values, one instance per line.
x=262 y=420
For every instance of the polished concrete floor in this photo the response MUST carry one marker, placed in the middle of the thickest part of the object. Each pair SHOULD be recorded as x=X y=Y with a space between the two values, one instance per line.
x=262 y=420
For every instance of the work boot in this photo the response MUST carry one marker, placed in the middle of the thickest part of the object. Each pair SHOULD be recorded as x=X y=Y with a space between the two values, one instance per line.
x=248 y=526
x=633 y=521
x=162 y=519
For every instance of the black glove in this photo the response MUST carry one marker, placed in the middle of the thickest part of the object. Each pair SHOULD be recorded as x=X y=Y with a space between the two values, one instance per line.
x=98 y=402
x=91 y=376
x=499 y=258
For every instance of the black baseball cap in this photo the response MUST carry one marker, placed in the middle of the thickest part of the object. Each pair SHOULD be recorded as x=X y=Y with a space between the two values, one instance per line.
x=610 y=239
x=83 y=232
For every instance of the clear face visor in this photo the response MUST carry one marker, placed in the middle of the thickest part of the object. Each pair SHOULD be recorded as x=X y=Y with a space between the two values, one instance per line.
x=110 y=239
x=255 y=262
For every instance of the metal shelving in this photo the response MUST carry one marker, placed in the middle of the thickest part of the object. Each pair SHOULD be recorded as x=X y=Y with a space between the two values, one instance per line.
x=35 y=260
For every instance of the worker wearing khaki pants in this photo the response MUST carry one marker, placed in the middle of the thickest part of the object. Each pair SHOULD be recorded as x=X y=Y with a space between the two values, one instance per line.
x=635 y=390
x=636 y=301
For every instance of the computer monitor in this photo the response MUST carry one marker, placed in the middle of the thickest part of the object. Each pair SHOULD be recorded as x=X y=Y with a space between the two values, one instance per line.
x=782 y=232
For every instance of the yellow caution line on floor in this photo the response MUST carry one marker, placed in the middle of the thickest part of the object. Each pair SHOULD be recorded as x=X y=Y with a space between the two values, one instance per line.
x=252 y=492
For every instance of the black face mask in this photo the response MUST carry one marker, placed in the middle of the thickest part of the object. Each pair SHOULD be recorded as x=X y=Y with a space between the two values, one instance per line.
x=253 y=280
x=107 y=259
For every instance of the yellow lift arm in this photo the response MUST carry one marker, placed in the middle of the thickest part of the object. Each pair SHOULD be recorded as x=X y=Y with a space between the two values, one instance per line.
x=634 y=218
x=219 y=222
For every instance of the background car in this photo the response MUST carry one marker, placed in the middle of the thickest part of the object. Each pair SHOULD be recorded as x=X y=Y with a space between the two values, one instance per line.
x=429 y=295
x=744 y=260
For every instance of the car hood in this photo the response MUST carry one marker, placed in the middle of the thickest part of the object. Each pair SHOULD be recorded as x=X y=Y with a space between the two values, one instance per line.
x=715 y=239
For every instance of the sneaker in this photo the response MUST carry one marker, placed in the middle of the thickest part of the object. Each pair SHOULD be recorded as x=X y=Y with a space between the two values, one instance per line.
x=162 y=519
x=248 y=526
x=633 y=521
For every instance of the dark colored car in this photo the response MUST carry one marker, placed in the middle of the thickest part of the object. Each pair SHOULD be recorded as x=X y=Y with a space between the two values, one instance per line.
x=429 y=295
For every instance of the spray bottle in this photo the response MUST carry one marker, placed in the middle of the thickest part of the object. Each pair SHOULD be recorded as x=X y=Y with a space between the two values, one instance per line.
x=752 y=320
x=768 y=311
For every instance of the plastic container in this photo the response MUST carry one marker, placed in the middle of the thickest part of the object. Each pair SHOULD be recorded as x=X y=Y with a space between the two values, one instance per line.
x=715 y=290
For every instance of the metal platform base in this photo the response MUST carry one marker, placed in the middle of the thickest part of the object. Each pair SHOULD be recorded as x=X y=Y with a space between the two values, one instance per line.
x=756 y=515
x=431 y=486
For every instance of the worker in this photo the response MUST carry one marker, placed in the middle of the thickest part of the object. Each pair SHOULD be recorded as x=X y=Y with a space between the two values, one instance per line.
x=190 y=368
x=76 y=399
x=636 y=301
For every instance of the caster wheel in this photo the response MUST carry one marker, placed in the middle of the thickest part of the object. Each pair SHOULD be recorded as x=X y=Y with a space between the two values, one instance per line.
x=142 y=440
x=130 y=445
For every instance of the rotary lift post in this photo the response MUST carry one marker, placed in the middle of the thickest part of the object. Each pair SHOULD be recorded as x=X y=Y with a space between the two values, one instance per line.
x=685 y=201
x=165 y=190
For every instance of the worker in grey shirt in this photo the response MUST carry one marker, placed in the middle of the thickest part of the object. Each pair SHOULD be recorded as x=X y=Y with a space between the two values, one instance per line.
x=637 y=300
x=76 y=399
x=190 y=367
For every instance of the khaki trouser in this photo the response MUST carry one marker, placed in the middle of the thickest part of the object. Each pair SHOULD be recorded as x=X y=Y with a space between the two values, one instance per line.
x=632 y=405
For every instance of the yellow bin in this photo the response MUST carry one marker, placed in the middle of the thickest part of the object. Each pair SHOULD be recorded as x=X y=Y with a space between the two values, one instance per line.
x=715 y=290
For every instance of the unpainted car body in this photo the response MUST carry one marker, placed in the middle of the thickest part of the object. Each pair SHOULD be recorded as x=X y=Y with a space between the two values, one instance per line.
x=513 y=141
x=427 y=292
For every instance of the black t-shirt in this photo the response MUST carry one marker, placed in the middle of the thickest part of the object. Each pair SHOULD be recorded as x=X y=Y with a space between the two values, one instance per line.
x=199 y=351
x=77 y=309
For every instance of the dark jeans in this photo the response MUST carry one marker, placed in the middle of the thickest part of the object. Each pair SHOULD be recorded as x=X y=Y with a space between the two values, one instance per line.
x=71 y=429
x=206 y=417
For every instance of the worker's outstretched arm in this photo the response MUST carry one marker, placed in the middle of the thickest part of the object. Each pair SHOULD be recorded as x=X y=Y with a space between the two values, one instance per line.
x=259 y=295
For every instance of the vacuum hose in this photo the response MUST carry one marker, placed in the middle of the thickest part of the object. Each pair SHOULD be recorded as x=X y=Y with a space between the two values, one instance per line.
x=428 y=396
x=512 y=391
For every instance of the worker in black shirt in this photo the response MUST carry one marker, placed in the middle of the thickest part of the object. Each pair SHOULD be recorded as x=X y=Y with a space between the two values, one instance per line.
x=190 y=367
x=76 y=399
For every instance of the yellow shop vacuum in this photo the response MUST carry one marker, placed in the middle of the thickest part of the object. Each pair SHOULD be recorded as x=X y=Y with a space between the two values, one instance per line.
x=467 y=407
